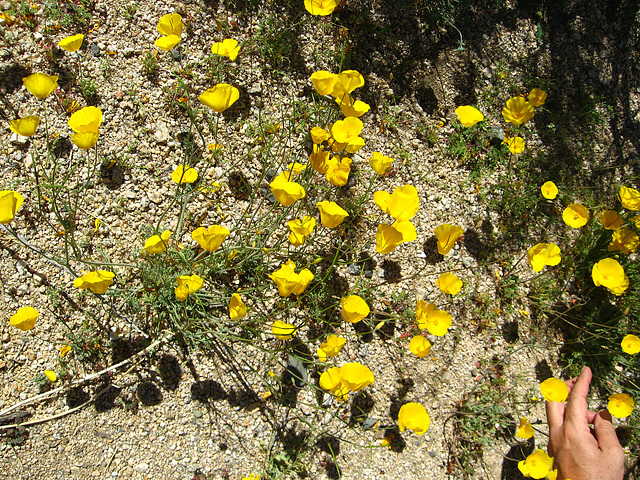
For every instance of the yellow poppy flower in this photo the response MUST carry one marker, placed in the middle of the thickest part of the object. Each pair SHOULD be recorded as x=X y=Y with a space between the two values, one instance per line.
x=380 y=163
x=447 y=235
x=420 y=346
x=518 y=111
x=554 y=390
x=629 y=198
x=611 y=220
x=414 y=417
x=469 y=115
x=157 y=243
x=537 y=465
x=449 y=283
x=549 y=190
x=525 y=430
x=331 y=214
x=25 y=318
x=283 y=330
x=226 y=48
x=10 y=202
x=98 y=282
x=25 y=126
x=237 y=308
x=354 y=308
x=210 y=238
x=575 y=215
x=321 y=7
x=630 y=344
x=402 y=204
x=609 y=273
x=537 y=97
x=220 y=97
x=543 y=254
x=620 y=405
x=182 y=175
x=40 y=85
x=72 y=43
x=356 y=376
x=286 y=191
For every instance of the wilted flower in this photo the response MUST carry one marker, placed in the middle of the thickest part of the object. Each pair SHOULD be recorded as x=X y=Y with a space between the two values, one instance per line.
x=321 y=7
x=319 y=135
x=611 y=220
x=283 y=330
x=356 y=376
x=620 y=405
x=51 y=375
x=515 y=144
x=157 y=243
x=182 y=175
x=575 y=215
x=25 y=318
x=449 y=283
x=543 y=254
x=469 y=115
x=629 y=198
x=237 y=308
x=40 y=84
x=537 y=97
x=624 y=240
x=170 y=25
x=286 y=191
x=380 y=163
x=347 y=130
x=324 y=82
x=549 y=190
x=609 y=273
x=518 y=111
x=331 y=381
x=354 y=308
x=187 y=285
x=338 y=170
x=420 y=346
x=402 y=204
x=25 y=126
x=288 y=281
x=630 y=344
x=554 y=390
x=437 y=322
x=72 y=43
x=210 y=238
x=525 y=430
x=98 y=281
x=331 y=347
x=10 y=202
x=227 y=48
x=414 y=417
x=447 y=235
x=331 y=214
x=220 y=97
x=537 y=465
x=351 y=107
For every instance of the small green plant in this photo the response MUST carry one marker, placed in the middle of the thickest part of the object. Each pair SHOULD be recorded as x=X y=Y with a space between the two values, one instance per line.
x=149 y=62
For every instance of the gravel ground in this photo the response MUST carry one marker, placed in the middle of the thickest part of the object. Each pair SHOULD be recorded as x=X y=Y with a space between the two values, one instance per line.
x=164 y=415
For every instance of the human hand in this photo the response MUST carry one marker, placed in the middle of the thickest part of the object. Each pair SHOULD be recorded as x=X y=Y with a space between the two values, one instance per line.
x=579 y=452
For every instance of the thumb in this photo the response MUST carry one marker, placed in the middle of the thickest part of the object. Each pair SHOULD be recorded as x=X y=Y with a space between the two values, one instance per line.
x=605 y=432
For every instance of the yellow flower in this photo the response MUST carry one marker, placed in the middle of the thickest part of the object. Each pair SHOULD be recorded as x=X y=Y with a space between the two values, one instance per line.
x=624 y=240
x=302 y=227
x=331 y=347
x=331 y=381
x=380 y=163
x=629 y=198
x=319 y=160
x=351 y=107
x=549 y=190
x=98 y=281
x=515 y=144
x=227 y=48
x=338 y=170
x=447 y=235
x=85 y=140
x=210 y=238
x=553 y=475
x=25 y=318
x=87 y=119
x=554 y=390
x=10 y=202
x=286 y=191
x=469 y=115
x=319 y=135
x=25 y=126
x=170 y=24
x=402 y=204
x=575 y=215
x=51 y=375
x=180 y=175
x=220 y=97
x=449 y=283
x=324 y=82
x=630 y=344
x=356 y=376
x=237 y=308
x=611 y=220
x=187 y=285
x=64 y=350
x=609 y=273
x=420 y=346
x=296 y=168
x=347 y=82
x=289 y=282
x=543 y=254
x=40 y=84
x=251 y=477
x=620 y=405
x=525 y=430
x=406 y=229
x=282 y=330
x=437 y=322
x=354 y=308
x=414 y=417
x=72 y=43
x=167 y=42
x=537 y=97
x=157 y=243
x=321 y=7
x=518 y=111
x=347 y=130
x=331 y=214
x=537 y=465
x=387 y=239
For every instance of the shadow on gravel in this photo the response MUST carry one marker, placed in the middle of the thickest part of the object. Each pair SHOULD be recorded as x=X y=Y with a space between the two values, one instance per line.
x=514 y=455
x=330 y=446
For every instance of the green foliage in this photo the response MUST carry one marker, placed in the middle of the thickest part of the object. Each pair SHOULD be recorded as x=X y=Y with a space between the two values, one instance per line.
x=68 y=15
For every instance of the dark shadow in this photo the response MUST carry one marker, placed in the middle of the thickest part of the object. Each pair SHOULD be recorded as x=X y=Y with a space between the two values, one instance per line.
x=239 y=185
x=361 y=406
x=510 y=332
x=397 y=443
x=543 y=371
x=149 y=393
x=430 y=249
x=514 y=455
x=106 y=401
x=111 y=174
x=207 y=390
x=121 y=348
x=392 y=270
x=76 y=396
x=170 y=372
x=479 y=246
